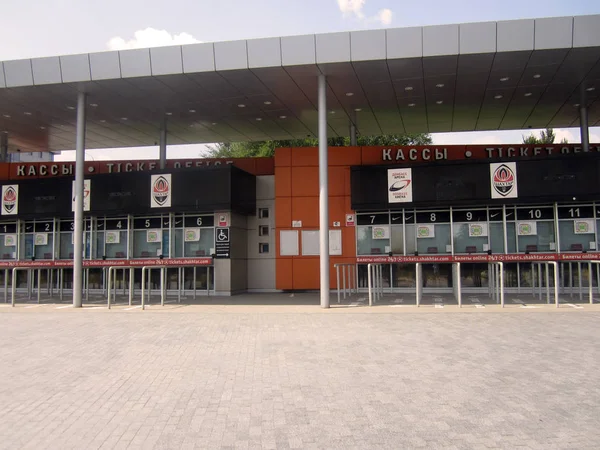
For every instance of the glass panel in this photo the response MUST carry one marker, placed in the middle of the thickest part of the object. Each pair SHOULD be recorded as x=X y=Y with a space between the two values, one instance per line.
x=497 y=237
x=7 y=252
x=117 y=250
x=510 y=275
x=571 y=242
x=411 y=245
x=142 y=248
x=65 y=250
x=177 y=247
x=541 y=241
x=463 y=243
x=437 y=275
x=474 y=275
x=438 y=243
x=203 y=246
x=403 y=275
x=369 y=246
x=397 y=241
x=511 y=236
x=99 y=245
x=45 y=251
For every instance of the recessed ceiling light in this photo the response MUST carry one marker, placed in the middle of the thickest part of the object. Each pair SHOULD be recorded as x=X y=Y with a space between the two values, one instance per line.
x=267 y=103
x=192 y=110
x=283 y=117
x=123 y=118
x=168 y=114
x=537 y=75
x=103 y=120
x=411 y=104
x=27 y=113
x=6 y=115
x=214 y=123
x=408 y=88
x=93 y=105
x=528 y=94
x=590 y=89
x=439 y=102
x=331 y=112
x=70 y=107
x=259 y=119
x=439 y=85
x=241 y=105
x=349 y=94
x=504 y=78
x=576 y=105
x=42 y=128
x=357 y=109
x=497 y=96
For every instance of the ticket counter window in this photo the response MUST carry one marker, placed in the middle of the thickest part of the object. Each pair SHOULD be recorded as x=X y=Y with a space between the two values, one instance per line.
x=576 y=227
x=67 y=242
x=38 y=239
x=535 y=229
x=112 y=238
x=197 y=236
x=8 y=240
x=471 y=231
x=373 y=234
x=433 y=232
x=149 y=234
x=403 y=275
x=397 y=233
x=496 y=231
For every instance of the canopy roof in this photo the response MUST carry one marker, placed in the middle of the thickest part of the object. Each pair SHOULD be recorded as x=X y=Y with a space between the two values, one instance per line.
x=477 y=76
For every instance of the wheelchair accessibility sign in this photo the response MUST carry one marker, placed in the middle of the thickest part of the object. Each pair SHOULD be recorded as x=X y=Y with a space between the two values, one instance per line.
x=222 y=249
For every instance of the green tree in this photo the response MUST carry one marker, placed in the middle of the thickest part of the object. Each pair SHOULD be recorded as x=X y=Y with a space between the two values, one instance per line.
x=547 y=136
x=267 y=148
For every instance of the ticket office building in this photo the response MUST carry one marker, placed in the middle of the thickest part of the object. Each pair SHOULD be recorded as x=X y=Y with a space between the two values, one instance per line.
x=121 y=225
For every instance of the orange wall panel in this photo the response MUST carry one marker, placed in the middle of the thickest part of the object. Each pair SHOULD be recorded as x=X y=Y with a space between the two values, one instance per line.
x=306 y=209
x=344 y=156
x=283 y=182
x=337 y=211
x=349 y=242
x=4 y=171
x=284 y=273
x=283 y=212
x=265 y=166
x=306 y=273
x=337 y=180
x=283 y=157
x=305 y=181
x=305 y=156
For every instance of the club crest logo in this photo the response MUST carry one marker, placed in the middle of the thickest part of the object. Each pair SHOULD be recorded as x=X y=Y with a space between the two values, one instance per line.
x=161 y=190
x=503 y=180
x=9 y=200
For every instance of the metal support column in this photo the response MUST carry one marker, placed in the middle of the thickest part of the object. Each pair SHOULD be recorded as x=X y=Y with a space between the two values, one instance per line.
x=162 y=151
x=583 y=128
x=3 y=146
x=323 y=194
x=353 y=140
x=78 y=229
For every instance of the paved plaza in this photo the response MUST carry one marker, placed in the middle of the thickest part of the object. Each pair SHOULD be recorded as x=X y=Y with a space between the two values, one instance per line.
x=296 y=376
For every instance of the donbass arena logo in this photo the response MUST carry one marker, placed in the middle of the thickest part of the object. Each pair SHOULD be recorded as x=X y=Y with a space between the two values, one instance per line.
x=161 y=190
x=503 y=180
x=399 y=185
x=9 y=201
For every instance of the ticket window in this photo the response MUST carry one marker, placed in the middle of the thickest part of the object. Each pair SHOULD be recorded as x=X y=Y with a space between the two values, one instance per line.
x=151 y=236
x=373 y=234
x=197 y=237
x=111 y=237
x=496 y=231
x=470 y=229
x=535 y=229
x=67 y=242
x=576 y=227
x=8 y=240
x=433 y=232
x=38 y=239
x=397 y=233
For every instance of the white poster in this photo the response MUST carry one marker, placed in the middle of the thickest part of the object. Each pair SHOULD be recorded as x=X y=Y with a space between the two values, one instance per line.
x=160 y=191
x=87 y=194
x=153 y=235
x=583 y=226
x=112 y=237
x=41 y=239
x=10 y=240
x=381 y=232
x=191 y=234
x=400 y=186
x=10 y=199
x=527 y=228
x=478 y=230
x=503 y=180
x=425 y=231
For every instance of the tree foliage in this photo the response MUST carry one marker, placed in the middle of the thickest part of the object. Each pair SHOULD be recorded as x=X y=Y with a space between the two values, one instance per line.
x=267 y=148
x=547 y=136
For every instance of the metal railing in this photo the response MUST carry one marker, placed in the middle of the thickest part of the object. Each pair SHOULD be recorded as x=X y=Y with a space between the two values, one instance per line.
x=590 y=279
x=375 y=282
x=111 y=285
x=496 y=282
x=349 y=274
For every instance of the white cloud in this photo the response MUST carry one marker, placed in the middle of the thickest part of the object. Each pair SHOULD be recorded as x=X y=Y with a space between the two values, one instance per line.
x=355 y=8
x=385 y=16
x=151 y=37
x=510 y=136
x=135 y=153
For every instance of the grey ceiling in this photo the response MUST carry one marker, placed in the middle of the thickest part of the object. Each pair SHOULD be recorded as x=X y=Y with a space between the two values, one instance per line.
x=477 y=76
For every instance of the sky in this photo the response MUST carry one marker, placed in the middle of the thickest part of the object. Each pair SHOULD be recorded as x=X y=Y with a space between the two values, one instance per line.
x=36 y=28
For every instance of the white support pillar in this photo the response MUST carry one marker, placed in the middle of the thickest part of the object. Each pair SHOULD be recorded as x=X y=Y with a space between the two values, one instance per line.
x=353 y=140
x=78 y=229
x=162 y=163
x=584 y=129
x=323 y=194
